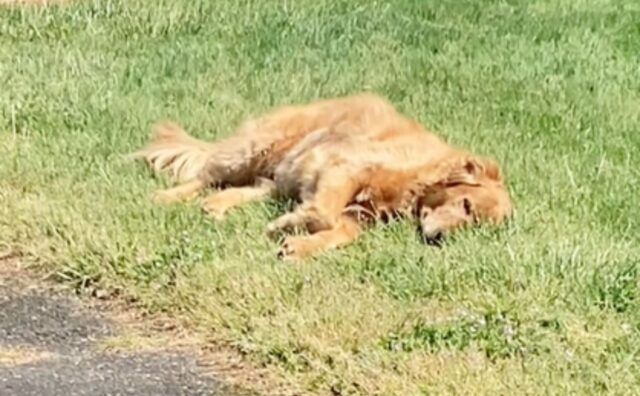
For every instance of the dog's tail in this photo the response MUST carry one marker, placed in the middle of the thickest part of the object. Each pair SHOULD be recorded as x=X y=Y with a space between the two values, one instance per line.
x=173 y=150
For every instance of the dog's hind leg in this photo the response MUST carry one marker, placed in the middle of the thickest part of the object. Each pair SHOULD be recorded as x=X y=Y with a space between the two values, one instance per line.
x=218 y=203
x=196 y=164
x=179 y=193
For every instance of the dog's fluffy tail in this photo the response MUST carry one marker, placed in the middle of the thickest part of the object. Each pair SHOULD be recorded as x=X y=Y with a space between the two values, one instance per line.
x=173 y=150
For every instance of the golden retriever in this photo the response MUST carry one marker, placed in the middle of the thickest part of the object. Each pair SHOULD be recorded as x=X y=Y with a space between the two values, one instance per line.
x=347 y=161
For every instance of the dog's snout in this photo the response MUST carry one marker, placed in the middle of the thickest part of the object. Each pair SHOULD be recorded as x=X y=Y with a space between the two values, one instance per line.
x=432 y=233
x=434 y=239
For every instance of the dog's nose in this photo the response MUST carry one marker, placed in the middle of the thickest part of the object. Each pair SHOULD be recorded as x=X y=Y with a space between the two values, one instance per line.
x=434 y=239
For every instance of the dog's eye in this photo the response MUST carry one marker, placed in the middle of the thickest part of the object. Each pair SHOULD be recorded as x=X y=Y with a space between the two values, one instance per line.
x=466 y=204
x=424 y=212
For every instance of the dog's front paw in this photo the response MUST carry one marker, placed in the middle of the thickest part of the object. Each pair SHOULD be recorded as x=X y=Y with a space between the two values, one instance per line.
x=295 y=248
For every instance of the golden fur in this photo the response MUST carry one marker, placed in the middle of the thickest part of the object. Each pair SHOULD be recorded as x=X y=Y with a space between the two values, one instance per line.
x=348 y=161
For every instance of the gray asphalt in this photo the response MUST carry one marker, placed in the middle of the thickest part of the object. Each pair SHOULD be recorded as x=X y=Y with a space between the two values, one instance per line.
x=67 y=333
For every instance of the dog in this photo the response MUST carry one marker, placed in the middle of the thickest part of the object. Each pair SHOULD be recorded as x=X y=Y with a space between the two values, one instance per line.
x=348 y=162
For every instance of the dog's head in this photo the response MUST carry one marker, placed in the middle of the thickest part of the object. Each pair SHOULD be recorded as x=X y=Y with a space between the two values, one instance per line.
x=468 y=190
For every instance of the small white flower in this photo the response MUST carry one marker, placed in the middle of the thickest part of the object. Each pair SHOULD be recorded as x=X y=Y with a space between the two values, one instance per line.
x=508 y=332
x=569 y=355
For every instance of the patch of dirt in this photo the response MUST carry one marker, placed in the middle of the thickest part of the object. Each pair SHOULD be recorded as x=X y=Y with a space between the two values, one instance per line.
x=49 y=345
x=124 y=329
x=141 y=332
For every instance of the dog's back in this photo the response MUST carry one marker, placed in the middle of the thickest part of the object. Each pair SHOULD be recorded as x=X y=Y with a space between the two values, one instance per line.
x=259 y=145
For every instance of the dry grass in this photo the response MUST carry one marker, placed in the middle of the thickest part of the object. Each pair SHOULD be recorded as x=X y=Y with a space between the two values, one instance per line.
x=16 y=356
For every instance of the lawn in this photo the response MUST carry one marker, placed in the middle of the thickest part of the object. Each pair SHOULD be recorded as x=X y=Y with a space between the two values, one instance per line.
x=549 y=304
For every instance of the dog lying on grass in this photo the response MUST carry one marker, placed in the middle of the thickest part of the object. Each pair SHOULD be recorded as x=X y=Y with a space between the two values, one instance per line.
x=347 y=161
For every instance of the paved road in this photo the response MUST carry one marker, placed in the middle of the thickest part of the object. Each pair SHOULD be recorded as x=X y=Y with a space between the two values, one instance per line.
x=47 y=348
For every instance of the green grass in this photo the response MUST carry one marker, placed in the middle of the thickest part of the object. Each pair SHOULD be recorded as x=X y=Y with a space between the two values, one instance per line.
x=549 y=304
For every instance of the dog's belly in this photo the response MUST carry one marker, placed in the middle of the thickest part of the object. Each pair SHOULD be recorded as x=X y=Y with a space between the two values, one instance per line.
x=297 y=174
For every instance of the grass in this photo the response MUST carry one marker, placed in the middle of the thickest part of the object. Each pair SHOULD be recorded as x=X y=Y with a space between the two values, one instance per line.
x=549 y=304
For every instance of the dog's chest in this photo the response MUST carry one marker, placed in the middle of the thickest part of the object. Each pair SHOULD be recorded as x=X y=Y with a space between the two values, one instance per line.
x=371 y=205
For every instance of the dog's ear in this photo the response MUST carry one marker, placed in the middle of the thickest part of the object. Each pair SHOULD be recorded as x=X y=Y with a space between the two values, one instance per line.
x=490 y=169
x=470 y=170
